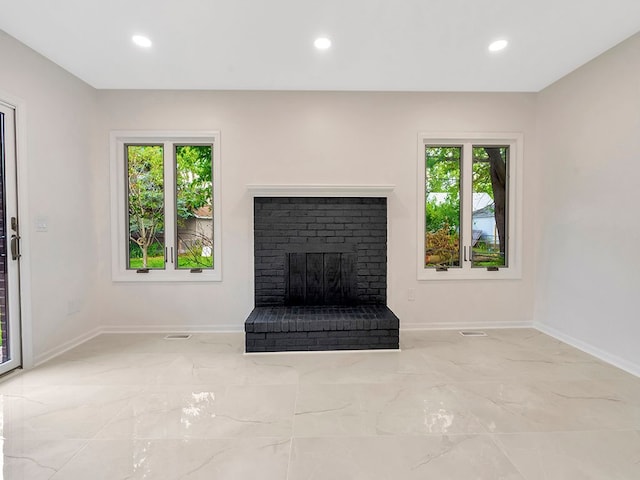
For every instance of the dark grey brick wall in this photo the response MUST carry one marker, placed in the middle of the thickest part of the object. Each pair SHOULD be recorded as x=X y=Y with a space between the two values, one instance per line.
x=336 y=225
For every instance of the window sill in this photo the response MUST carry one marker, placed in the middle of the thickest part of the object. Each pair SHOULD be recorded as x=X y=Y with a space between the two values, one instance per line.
x=479 y=274
x=167 y=277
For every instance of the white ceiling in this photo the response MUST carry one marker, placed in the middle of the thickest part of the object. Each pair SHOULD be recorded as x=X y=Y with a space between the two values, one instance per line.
x=390 y=45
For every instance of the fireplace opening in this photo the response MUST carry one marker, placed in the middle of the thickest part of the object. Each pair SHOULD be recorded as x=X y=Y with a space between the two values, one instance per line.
x=320 y=275
x=323 y=278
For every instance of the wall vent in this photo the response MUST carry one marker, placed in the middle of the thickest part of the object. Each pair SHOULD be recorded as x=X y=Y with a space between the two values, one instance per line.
x=472 y=333
x=178 y=336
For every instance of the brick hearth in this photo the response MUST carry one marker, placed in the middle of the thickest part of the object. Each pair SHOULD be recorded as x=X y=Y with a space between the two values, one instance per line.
x=276 y=329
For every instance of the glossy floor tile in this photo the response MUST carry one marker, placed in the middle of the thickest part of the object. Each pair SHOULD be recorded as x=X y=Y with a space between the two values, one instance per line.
x=400 y=457
x=515 y=404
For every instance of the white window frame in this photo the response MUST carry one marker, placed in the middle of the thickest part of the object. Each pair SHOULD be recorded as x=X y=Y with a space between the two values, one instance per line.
x=119 y=233
x=515 y=142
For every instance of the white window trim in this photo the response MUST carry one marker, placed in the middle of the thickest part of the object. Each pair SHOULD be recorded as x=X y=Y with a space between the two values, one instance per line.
x=515 y=141
x=119 y=245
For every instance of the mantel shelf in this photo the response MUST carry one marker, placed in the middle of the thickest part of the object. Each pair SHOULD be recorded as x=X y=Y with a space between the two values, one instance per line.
x=320 y=190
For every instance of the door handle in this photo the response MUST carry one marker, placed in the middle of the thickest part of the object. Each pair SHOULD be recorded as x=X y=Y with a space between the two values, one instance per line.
x=15 y=247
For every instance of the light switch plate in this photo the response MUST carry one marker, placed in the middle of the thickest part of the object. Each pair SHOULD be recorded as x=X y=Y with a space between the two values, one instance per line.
x=42 y=224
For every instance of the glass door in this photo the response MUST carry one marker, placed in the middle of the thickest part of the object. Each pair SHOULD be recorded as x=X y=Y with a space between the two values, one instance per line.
x=10 y=335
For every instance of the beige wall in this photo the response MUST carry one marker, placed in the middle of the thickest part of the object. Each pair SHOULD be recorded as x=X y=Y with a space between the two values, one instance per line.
x=582 y=138
x=59 y=111
x=314 y=138
x=588 y=284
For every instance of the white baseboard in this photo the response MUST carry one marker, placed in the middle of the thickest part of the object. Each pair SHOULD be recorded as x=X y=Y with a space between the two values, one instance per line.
x=408 y=327
x=68 y=345
x=172 y=329
x=616 y=361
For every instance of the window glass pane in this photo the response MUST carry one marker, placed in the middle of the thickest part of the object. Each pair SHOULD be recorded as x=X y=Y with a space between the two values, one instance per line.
x=194 y=194
x=489 y=242
x=442 y=206
x=145 y=200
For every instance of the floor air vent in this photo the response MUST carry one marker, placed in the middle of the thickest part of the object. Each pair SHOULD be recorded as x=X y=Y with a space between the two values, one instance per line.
x=178 y=336
x=470 y=333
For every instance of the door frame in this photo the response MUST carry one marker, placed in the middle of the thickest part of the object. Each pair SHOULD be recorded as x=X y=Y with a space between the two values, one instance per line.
x=20 y=119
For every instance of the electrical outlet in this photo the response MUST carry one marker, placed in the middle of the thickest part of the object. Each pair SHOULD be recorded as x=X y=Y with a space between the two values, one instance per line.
x=412 y=294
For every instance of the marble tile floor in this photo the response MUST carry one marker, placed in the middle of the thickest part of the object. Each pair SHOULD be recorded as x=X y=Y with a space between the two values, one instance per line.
x=516 y=404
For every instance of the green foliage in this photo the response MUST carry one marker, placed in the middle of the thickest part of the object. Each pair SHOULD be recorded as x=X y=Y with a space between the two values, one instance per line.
x=146 y=188
x=192 y=256
x=146 y=193
x=443 y=177
x=481 y=172
x=439 y=215
x=184 y=262
x=442 y=203
x=443 y=169
x=154 y=250
x=486 y=256
x=152 y=262
x=193 y=178
x=188 y=261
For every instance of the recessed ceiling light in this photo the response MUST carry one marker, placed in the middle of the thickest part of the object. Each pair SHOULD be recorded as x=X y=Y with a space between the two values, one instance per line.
x=141 y=41
x=322 y=43
x=498 y=45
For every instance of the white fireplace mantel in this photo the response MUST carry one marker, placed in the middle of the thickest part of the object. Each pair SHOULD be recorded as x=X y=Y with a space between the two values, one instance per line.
x=321 y=190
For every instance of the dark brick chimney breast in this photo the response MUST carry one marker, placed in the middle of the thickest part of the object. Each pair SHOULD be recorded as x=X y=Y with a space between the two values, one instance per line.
x=320 y=261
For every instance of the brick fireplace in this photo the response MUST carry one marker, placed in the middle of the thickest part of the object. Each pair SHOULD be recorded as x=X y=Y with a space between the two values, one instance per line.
x=320 y=270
